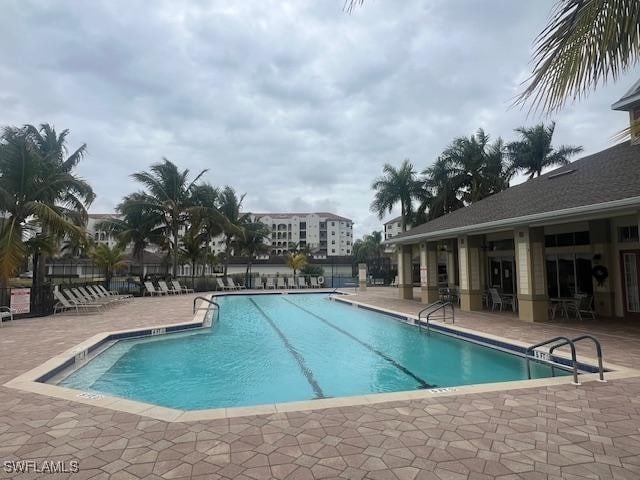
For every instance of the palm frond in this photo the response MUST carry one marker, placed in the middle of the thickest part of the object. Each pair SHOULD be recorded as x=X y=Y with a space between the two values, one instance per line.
x=585 y=44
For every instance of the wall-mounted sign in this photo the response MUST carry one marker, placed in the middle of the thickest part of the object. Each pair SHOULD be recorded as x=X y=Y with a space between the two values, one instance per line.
x=21 y=300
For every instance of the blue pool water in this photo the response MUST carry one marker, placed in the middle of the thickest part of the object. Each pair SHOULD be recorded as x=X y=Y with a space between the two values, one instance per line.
x=281 y=348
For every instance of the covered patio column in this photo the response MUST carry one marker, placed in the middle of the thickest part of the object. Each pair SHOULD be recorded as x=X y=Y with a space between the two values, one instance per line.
x=405 y=271
x=469 y=272
x=533 y=302
x=429 y=271
x=452 y=263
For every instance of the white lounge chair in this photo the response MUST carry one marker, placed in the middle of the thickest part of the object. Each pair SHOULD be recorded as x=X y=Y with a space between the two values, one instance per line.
x=93 y=298
x=6 y=312
x=302 y=282
x=222 y=286
x=313 y=282
x=259 y=285
x=291 y=282
x=281 y=283
x=270 y=283
x=151 y=290
x=66 y=303
x=105 y=292
x=395 y=282
x=165 y=288
x=182 y=288
x=233 y=285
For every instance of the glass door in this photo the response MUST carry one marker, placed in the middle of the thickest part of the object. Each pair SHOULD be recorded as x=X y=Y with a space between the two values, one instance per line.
x=631 y=282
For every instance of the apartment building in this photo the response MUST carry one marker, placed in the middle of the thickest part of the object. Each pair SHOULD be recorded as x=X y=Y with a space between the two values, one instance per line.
x=326 y=234
x=392 y=228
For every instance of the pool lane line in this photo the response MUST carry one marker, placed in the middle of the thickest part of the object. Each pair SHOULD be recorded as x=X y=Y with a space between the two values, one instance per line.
x=399 y=366
x=296 y=355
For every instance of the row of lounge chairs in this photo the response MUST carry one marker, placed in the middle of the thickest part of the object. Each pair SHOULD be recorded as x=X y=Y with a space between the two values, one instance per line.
x=164 y=289
x=272 y=283
x=87 y=298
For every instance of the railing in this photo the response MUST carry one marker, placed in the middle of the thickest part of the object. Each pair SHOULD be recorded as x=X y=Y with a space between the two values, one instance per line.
x=433 y=308
x=211 y=302
x=565 y=341
x=575 y=340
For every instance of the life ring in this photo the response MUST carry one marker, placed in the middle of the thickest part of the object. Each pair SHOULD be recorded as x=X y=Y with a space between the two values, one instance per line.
x=321 y=280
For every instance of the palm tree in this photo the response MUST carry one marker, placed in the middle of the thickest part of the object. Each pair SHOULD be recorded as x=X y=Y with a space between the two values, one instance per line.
x=39 y=192
x=230 y=206
x=441 y=195
x=110 y=260
x=585 y=44
x=295 y=247
x=194 y=247
x=296 y=261
x=168 y=194
x=534 y=151
x=138 y=227
x=396 y=186
x=252 y=244
x=477 y=167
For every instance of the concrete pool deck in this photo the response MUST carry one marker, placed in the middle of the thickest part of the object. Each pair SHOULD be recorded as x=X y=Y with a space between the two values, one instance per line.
x=560 y=431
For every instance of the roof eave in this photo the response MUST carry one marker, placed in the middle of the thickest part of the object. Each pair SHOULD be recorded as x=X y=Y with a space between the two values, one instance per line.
x=507 y=223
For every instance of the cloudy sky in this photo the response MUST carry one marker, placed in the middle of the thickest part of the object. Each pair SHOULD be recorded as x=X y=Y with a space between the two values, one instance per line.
x=296 y=103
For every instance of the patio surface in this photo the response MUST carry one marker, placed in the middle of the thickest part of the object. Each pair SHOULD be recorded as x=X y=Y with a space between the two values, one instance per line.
x=591 y=431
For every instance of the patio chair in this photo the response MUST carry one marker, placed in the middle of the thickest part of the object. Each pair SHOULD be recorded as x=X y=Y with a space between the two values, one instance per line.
x=165 y=288
x=313 y=282
x=182 y=288
x=67 y=303
x=259 y=285
x=93 y=298
x=233 y=285
x=151 y=290
x=6 y=312
x=582 y=305
x=502 y=300
x=104 y=291
x=302 y=283
x=395 y=282
x=270 y=284
x=222 y=286
x=291 y=282
x=280 y=283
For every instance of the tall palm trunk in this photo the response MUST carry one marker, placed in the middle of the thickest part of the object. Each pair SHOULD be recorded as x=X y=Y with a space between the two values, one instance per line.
x=175 y=253
x=226 y=255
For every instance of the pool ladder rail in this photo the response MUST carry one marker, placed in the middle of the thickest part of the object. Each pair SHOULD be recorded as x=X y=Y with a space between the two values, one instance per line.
x=561 y=341
x=440 y=307
x=210 y=302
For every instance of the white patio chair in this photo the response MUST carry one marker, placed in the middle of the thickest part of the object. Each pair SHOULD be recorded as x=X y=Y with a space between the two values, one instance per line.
x=6 y=312
x=151 y=290
x=395 y=282
x=165 y=288
x=182 y=288
x=270 y=284
x=259 y=284
x=233 y=285
x=68 y=303
x=502 y=300
x=222 y=286
x=291 y=282
x=281 y=283
x=582 y=305
x=104 y=291
x=93 y=298
x=302 y=283
x=313 y=282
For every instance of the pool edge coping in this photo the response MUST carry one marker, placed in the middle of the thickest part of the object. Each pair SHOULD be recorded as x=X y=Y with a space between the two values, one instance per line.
x=30 y=381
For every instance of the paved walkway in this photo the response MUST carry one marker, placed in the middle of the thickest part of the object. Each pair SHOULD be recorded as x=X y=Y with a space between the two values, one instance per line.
x=591 y=431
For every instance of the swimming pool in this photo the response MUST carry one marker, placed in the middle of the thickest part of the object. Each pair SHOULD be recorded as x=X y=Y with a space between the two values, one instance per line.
x=267 y=349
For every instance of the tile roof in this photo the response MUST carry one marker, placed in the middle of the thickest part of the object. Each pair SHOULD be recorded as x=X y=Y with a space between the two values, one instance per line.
x=609 y=175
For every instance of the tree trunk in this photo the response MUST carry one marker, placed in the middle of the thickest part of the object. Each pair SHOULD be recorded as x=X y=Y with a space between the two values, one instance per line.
x=175 y=253
x=246 y=275
x=226 y=255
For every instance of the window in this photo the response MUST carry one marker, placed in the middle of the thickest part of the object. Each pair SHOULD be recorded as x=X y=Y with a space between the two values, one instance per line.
x=399 y=224
x=567 y=239
x=333 y=250
x=333 y=242
x=333 y=224
x=333 y=233
x=303 y=225
x=348 y=242
x=348 y=251
x=628 y=234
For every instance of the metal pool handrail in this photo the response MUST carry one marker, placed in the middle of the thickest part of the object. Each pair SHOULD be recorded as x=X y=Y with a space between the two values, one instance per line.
x=597 y=344
x=210 y=302
x=435 y=307
x=565 y=341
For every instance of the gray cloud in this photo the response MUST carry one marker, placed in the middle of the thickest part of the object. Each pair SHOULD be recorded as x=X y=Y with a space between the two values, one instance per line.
x=295 y=103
